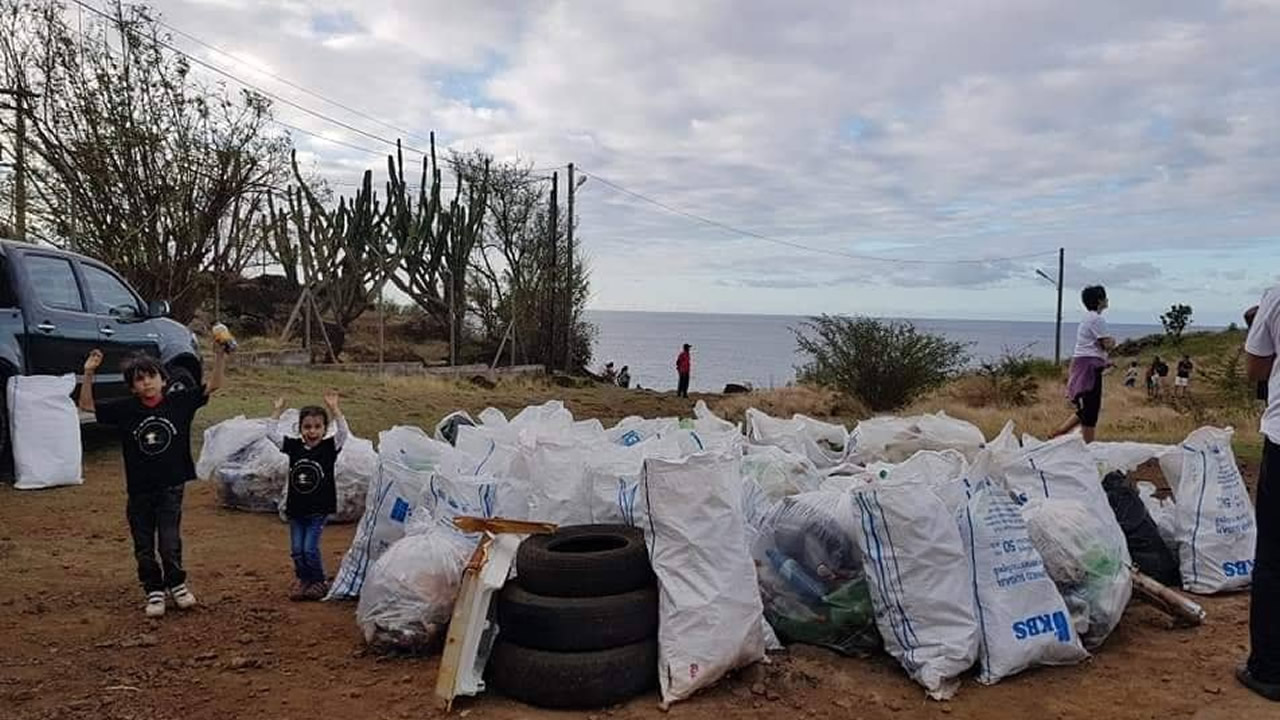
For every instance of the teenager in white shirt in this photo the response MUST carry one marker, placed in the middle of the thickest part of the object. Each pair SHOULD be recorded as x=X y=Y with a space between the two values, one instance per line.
x=1093 y=345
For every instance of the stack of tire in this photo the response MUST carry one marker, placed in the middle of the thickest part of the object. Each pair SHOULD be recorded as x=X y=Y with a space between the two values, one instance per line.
x=578 y=626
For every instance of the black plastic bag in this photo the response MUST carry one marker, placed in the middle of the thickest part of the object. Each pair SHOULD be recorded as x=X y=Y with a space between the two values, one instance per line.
x=1149 y=552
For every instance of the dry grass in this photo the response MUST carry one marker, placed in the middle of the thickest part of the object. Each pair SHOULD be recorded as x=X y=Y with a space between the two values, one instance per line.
x=1127 y=414
x=785 y=402
x=375 y=404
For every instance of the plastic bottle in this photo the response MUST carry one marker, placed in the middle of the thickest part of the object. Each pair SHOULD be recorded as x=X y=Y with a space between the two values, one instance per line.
x=222 y=335
x=799 y=580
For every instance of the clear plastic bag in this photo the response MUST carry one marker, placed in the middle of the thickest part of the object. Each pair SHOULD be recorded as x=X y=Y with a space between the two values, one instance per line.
x=227 y=438
x=811 y=575
x=778 y=472
x=253 y=478
x=1082 y=557
x=407 y=601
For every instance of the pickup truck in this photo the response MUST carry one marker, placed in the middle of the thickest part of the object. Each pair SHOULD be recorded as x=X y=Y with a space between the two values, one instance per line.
x=56 y=306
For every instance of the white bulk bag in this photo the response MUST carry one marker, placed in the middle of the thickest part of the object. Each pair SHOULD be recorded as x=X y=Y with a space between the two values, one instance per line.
x=1125 y=457
x=706 y=421
x=894 y=439
x=927 y=466
x=823 y=443
x=1023 y=619
x=1217 y=529
x=229 y=437
x=44 y=427
x=388 y=506
x=778 y=472
x=555 y=469
x=1063 y=470
x=711 y=618
x=921 y=583
x=633 y=430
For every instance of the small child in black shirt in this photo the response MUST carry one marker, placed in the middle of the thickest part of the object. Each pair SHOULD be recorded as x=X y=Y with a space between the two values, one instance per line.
x=155 y=435
x=311 y=494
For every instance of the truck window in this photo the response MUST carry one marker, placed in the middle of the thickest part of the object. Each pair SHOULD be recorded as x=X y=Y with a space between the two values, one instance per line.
x=109 y=295
x=54 y=282
x=8 y=299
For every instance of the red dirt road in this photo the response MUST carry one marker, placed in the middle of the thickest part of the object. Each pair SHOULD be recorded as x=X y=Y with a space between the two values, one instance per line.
x=74 y=643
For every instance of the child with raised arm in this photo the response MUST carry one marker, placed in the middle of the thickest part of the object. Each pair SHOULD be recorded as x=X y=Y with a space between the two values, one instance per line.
x=155 y=436
x=311 y=494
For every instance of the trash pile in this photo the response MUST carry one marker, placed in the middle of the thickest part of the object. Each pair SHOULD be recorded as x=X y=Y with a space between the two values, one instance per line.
x=915 y=535
x=251 y=473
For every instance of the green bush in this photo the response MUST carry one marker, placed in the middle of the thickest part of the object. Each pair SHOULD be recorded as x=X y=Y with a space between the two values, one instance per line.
x=884 y=363
x=1013 y=377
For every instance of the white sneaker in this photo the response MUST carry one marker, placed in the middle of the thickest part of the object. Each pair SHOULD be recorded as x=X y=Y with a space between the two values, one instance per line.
x=155 y=605
x=182 y=597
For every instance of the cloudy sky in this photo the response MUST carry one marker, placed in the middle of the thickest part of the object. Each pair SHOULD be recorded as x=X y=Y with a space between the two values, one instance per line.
x=901 y=140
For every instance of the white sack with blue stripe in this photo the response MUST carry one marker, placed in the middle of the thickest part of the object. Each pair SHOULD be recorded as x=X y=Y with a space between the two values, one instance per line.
x=1075 y=530
x=710 y=617
x=1022 y=618
x=1217 y=528
x=921 y=582
x=407 y=457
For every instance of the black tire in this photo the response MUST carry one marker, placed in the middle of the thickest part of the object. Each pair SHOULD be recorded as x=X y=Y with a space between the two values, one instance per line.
x=576 y=624
x=180 y=377
x=585 y=561
x=582 y=681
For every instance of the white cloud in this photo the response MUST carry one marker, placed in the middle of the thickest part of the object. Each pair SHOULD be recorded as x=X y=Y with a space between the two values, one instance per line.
x=1134 y=134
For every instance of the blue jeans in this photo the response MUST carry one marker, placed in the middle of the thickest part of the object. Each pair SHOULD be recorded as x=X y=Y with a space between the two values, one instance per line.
x=304 y=541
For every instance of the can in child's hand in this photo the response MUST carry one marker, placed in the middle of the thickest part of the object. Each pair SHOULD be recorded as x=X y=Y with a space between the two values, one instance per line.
x=223 y=337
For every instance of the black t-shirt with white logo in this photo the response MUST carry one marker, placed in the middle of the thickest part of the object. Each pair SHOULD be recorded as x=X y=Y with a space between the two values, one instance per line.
x=312 y=490
x=156 y=441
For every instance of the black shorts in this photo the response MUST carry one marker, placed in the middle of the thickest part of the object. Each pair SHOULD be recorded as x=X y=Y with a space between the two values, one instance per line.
x=1089 y=404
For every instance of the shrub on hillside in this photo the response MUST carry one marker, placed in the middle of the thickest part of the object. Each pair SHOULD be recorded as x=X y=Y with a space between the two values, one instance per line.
x=884 y=363
x=1012 y=378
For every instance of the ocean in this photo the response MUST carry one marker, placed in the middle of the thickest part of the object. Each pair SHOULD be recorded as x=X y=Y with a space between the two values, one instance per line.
x=760 y=350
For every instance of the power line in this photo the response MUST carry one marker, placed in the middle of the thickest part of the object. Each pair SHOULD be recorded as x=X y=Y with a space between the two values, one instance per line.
x=295 y=86
x=249 y=85
x=809 y=248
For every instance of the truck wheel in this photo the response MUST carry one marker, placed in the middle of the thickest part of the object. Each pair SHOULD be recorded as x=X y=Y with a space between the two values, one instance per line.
x=576 y=624
x=584 y=561
x=585 y=680
x=180 y=377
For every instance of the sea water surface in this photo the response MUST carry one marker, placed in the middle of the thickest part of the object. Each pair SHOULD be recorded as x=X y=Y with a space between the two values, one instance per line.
x=760 y=350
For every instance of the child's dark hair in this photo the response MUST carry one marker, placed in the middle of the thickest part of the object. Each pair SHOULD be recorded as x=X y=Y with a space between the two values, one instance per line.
x=140 y=366
x=1093 y=297
x=313 y=411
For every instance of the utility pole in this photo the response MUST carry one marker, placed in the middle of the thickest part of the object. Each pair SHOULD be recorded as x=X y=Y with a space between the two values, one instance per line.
x=553 y=265
x=568 y=261
x=19 y=160
x=1057 y=336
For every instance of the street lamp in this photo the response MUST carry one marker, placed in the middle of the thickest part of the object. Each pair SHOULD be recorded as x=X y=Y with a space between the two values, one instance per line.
x=1057 y=335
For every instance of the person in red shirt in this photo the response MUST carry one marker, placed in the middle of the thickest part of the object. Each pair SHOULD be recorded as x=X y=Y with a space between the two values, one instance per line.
x=684 y=364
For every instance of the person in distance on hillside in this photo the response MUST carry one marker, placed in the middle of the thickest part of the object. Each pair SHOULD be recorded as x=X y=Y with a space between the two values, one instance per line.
x=1182 y=383
x=624 y=377
x=1261 y=672
x=684 y=367
x=155 y=434
x=1084 y=384
x=610 y=375
x=1131 y=375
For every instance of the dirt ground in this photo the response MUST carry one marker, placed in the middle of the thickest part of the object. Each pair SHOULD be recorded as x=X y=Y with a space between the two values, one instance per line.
x=74 y=642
